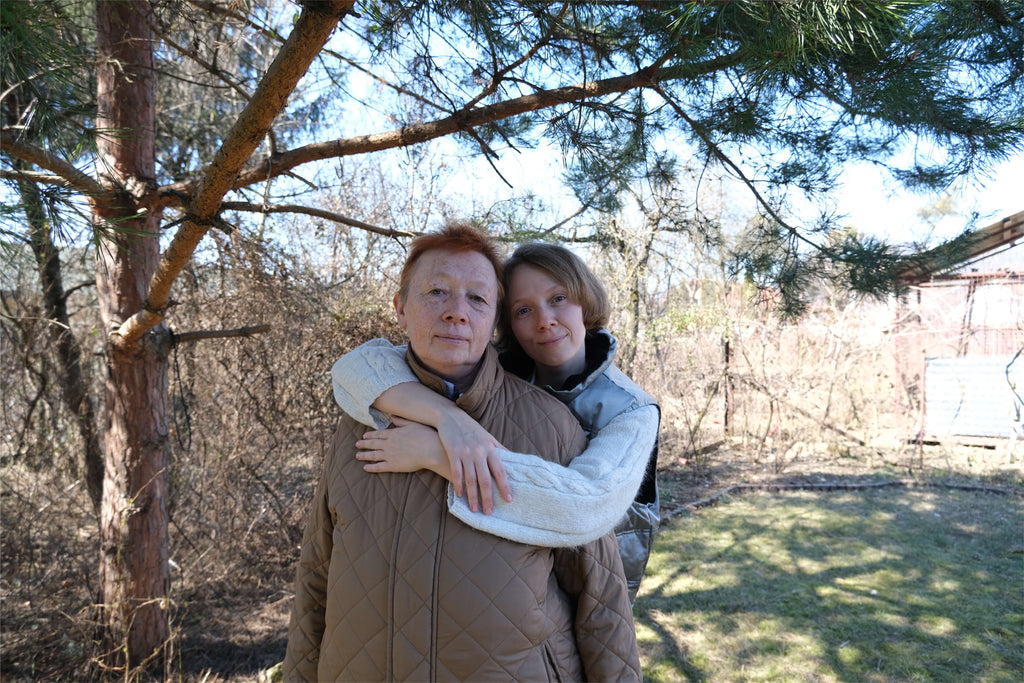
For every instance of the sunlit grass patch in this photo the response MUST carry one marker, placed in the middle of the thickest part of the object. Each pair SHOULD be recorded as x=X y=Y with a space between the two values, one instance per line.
x=850 y=586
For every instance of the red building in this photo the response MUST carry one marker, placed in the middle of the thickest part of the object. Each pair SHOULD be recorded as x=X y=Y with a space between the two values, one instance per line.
x=959 y=335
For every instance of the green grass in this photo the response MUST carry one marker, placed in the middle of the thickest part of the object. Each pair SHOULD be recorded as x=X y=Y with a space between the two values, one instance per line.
x=909 y=585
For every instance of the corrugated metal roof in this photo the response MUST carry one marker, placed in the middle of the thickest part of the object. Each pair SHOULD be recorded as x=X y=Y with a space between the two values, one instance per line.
x=972 y=395
x=967 y=248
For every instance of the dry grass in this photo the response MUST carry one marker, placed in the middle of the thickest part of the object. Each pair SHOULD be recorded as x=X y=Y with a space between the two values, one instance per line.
x=231 y=589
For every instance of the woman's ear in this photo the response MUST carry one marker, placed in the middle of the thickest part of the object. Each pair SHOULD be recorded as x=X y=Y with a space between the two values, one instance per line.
x=399 y=305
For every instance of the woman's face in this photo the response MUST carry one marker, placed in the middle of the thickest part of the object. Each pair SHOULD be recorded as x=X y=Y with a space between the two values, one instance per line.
x=547 y=323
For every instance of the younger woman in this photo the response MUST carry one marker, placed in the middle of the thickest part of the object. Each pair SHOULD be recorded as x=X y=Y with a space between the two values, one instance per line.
x=551 y=330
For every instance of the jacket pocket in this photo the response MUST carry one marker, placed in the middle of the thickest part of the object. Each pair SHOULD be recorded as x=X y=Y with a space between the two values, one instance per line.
x=551 y=664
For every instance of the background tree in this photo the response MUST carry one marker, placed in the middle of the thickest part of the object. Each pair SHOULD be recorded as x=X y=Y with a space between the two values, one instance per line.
x=778 y=95
x=27 y=97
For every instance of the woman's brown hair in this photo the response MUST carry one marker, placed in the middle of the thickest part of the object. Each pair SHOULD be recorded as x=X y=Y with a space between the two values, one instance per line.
x=567 y=269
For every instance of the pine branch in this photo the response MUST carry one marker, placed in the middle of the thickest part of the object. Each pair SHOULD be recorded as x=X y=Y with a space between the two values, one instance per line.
x=319 y=213
x=312 y=29
x=737 y=171
x=464 y=120
x=66 y=172
x=35 y=177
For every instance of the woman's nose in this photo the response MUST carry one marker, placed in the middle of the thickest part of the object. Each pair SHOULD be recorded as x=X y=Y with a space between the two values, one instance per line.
x=545 y=319
x=456 y=310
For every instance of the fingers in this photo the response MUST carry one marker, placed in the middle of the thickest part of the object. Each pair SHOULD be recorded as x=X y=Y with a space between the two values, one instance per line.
x=471 y=492
x=372 y=439
x=457 y=476
x=497 y=468
x=369 y=438
x=375 y=461
x=476 y=473
x=486 y=492
x=369 y=456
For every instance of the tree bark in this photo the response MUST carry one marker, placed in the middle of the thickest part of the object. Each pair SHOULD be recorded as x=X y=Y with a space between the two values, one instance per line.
x=134 y=284
x=134 y=575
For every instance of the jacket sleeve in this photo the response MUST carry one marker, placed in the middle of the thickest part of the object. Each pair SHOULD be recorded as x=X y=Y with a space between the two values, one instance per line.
x=363 y=374
x=565 y=506
x=306 y=629
x=604 y=627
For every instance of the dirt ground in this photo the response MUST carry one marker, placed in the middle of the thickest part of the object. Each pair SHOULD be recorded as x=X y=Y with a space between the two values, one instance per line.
x=233 y=627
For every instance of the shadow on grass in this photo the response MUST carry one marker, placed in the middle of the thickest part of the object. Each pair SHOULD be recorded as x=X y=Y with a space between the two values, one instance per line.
x=847 y=585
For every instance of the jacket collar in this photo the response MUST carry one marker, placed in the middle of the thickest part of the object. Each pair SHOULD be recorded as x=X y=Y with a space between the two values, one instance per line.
x=476 y=397
x=601 y=346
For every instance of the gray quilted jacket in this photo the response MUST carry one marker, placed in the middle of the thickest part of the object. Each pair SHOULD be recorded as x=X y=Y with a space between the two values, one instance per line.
x=391 y=587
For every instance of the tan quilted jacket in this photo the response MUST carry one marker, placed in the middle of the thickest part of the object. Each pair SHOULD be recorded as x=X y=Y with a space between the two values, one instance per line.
x=391 y=587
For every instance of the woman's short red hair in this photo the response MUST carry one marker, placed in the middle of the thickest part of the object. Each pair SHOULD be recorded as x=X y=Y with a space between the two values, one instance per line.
x=455 y=236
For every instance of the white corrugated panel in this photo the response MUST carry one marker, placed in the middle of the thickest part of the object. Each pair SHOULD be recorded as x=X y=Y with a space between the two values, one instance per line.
x=971 y=395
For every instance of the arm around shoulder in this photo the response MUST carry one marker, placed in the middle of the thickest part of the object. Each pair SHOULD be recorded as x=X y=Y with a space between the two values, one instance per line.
x=363 y=374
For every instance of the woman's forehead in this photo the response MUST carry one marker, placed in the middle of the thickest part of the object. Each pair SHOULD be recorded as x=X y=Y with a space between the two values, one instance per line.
x=528 y=277
x=465 y=268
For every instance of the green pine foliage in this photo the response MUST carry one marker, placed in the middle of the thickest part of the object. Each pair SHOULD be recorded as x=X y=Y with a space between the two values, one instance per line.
x=780 y=95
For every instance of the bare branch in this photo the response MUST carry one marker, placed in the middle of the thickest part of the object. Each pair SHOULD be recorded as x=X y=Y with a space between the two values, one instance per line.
x=193 y=54
x=83 y=285
x=319 y=213
x=199 y=335
x=214 y=8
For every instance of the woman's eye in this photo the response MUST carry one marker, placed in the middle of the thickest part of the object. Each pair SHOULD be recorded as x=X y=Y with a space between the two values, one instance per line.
x=559 y=298
x=520 y=312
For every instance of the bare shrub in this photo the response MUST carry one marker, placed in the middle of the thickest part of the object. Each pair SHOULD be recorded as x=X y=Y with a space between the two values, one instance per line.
x=251 y=416
x=47 y=574
x=38 y=431
x=249 y=420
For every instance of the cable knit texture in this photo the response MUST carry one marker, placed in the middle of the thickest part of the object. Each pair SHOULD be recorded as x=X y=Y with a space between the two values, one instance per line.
x=390 y=586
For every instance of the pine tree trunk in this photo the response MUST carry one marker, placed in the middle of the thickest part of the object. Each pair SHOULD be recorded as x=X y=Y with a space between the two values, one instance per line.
x=133 y=521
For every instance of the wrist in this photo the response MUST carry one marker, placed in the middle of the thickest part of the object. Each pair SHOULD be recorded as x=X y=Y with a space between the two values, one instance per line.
x=453 y=420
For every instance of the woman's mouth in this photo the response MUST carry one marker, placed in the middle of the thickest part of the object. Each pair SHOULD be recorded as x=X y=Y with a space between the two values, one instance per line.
x=550 y=342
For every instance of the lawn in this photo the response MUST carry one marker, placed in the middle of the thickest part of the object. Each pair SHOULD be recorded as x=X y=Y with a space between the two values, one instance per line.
x=871 y=585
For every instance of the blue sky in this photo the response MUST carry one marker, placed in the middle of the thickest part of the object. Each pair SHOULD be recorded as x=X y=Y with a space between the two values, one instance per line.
x=877 y=209
x=873 y=202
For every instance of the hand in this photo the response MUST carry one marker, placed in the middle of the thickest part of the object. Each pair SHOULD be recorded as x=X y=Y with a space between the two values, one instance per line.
x=473 y=458
x=408 y=447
